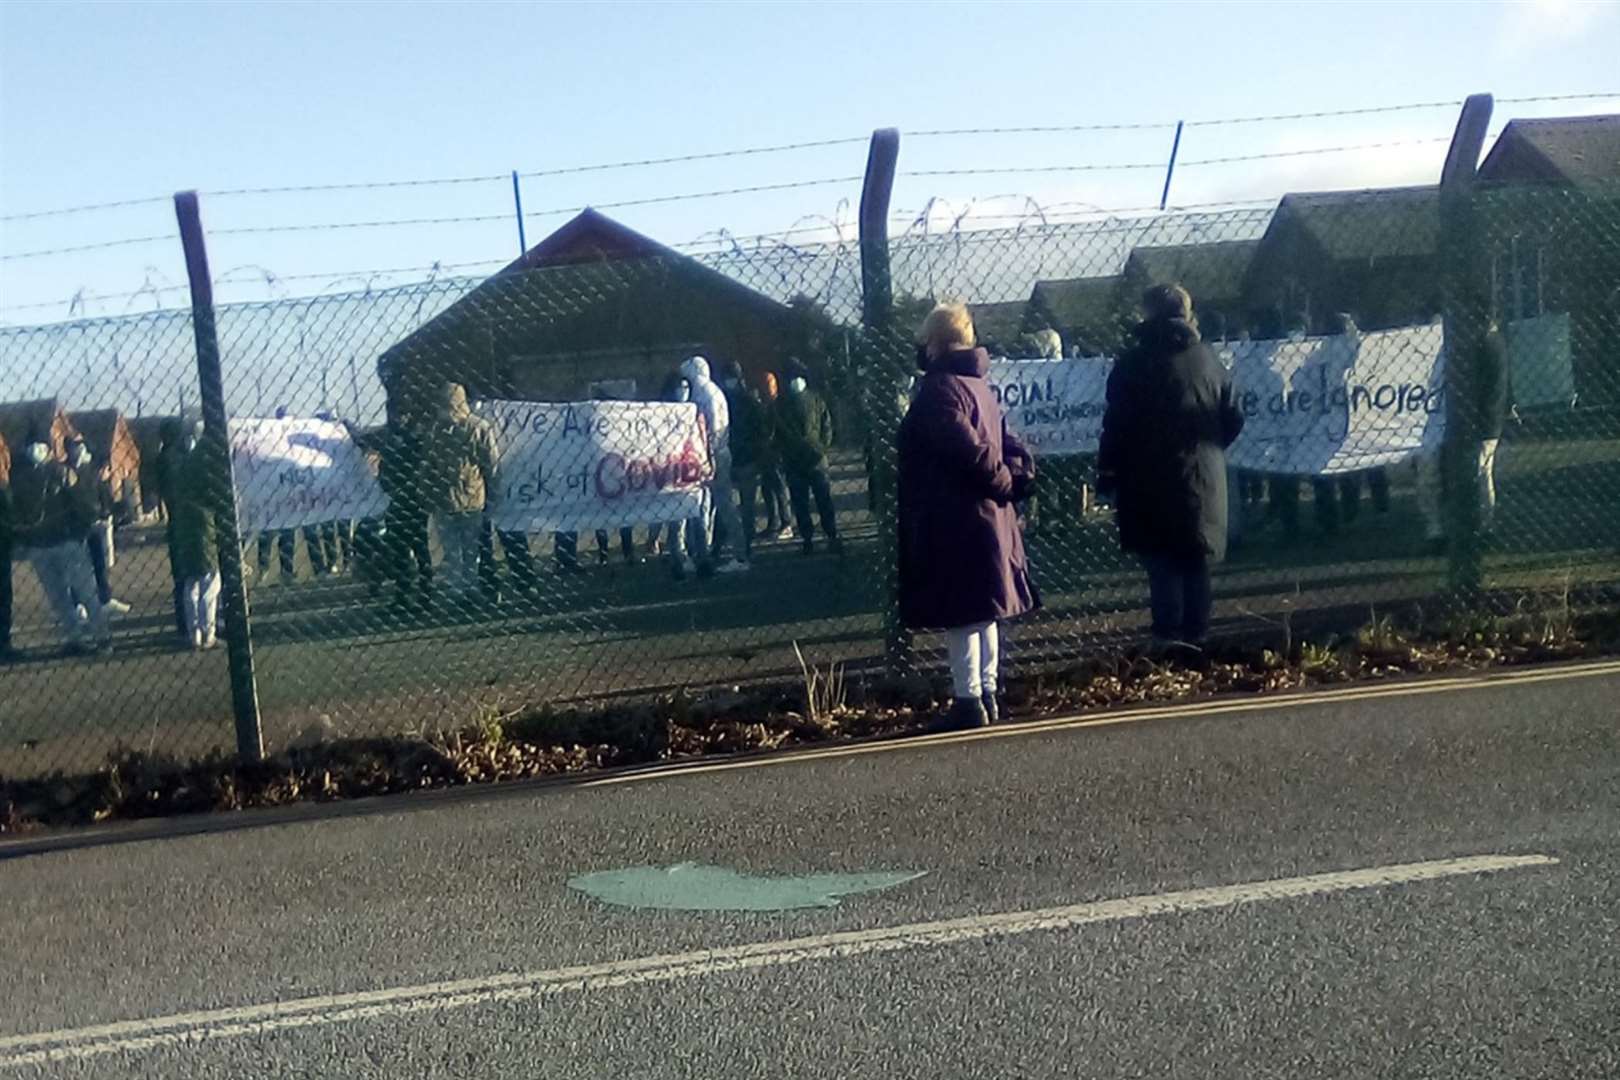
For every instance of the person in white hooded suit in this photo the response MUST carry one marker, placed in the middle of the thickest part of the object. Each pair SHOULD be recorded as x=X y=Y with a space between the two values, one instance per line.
x=722 y=510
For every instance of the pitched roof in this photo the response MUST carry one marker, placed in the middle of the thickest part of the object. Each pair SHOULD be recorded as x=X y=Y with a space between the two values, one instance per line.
x=1084 y=301
x=999 y=322
x=1212 y=273
x=1375 y=223
x=98 y=427
x=20 y=419
x=1571 y=150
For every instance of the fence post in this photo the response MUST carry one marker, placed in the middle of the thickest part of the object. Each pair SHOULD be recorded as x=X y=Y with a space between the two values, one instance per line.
x=1465 y=312
x=882 y=378
x=217 y=445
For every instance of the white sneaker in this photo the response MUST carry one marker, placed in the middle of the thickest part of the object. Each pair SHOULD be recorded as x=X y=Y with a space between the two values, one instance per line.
x=117 y=606
x=785 y=533
x=80 y=615
x=733 y=566
x=197 y=639
x=210 y=641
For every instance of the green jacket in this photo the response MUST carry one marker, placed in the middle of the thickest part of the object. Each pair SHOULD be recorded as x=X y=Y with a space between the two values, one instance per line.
x=804 y=431
x=192 y=522
x=458 y=458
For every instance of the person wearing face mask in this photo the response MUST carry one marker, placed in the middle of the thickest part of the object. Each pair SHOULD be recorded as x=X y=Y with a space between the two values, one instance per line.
x=93 y=497
x=171 y=455
x=196 y=541
x=721 y=519
x=51 y=534
x=803 y=435
x=681 y=536
x=778 y=520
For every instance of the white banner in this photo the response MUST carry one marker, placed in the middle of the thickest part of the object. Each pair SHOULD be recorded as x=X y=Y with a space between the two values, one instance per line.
x=596 y=464
x=1315 y=406
x=291 y=473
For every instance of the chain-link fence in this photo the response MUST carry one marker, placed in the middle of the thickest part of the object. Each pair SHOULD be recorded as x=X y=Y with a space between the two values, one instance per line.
x=467 y=497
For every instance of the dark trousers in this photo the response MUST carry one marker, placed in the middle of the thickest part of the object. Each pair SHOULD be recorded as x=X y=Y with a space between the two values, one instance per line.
x=801 y=486
x=410 y=558
x=98 y=563
x=321 y=540
x=1180 y=596
x=514 y=552
x=180 y=622
x=627 y=544
x=777 y=510
x=746 y=480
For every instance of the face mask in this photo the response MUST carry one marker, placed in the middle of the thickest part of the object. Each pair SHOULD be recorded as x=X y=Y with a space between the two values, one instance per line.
x=38 y=453
x=80 y=457
x=797 y=385
x=731 y=384
x=684 y=394
x=191 y=443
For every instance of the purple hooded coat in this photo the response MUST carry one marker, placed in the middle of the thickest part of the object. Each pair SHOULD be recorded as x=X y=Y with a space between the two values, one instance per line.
x=961 y=553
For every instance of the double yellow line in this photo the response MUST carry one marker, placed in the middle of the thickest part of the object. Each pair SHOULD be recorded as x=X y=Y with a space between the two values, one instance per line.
x=1511 y=677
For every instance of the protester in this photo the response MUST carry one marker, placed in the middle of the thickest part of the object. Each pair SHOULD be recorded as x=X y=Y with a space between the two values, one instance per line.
x=408 y=554
x=1491 y=402
x=777 y=514
x=171 y=451
x=458 y=479
x=750 y=433
x=961 y=556
x=52 y=535
x=197 y=541
x=96 y=507
x=687 y=534
x=721 y=514
x=1171 y=414
x=803 y=435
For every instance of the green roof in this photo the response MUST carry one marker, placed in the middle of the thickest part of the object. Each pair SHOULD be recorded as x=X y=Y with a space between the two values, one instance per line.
x=1376 y=223
x=1575 y=150
x=1086 y=301
x=1212 y=273
x=1000 y=322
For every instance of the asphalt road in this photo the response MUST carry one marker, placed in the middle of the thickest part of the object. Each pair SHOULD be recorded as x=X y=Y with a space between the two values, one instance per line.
x=1512 y=973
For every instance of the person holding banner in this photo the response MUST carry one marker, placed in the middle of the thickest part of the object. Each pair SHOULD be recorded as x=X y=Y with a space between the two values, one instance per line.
x=52 y=535
x=1170 y=417
x=458 y=481
x=961 y=555
x=722 y=513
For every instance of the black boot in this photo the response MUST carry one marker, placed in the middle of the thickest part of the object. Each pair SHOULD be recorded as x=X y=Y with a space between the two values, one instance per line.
x=965 y=714
x=991 y=708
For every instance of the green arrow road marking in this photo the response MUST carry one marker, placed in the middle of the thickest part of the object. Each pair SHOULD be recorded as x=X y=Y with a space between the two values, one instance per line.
x=692 y=887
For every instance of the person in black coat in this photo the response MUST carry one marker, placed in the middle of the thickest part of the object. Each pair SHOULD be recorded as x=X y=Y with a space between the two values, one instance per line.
x=1171 y=415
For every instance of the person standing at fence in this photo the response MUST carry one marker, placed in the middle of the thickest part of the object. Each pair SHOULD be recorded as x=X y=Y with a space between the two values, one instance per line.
x=721 y=515
x=93 y=498
x=687 y=534
x=778 y=519
x=459 y=483
x=171 y=454
x=961 y=554
x=1171 y=414
x=804 y=434
x=197 y=542
x=408 y=554
x=52 y=535
x=749 y=434
x=1492 y=403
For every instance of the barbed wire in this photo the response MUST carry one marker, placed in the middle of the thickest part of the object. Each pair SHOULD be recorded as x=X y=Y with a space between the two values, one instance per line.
x=75 y=248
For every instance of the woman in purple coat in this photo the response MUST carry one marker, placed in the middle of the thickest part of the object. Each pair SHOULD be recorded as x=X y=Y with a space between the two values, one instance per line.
x=962 y=564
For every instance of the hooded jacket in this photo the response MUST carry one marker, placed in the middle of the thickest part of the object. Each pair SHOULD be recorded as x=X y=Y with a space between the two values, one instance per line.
x=711 y=403
x=1171 y=415
x=43 y=507
x=458 y=458
x=193 y=524
x=804 y=431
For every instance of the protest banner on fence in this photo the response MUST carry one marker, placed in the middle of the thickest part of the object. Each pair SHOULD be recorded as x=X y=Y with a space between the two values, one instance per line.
x=1313 y=406
x=596 y=464
x=295 y=472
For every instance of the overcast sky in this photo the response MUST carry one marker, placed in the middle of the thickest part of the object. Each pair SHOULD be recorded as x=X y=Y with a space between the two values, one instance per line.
x=107 y=102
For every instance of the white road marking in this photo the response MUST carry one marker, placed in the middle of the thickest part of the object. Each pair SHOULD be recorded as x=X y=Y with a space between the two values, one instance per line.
x=192 y=1029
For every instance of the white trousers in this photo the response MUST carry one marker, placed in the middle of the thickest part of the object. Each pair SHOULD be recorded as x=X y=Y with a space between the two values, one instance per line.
x=975 y=655
x=202 y=604
x=64 y=572
x=1429 y=494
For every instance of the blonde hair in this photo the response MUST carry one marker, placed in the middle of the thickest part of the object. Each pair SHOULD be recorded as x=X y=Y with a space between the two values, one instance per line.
x=947 y=327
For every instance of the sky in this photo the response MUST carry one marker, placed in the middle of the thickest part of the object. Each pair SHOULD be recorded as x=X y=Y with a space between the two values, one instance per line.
x=115 y=101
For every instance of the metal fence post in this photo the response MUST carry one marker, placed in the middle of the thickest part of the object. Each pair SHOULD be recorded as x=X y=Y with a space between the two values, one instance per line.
x=1466 y=310
x=882 y=377
x=216 y=444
